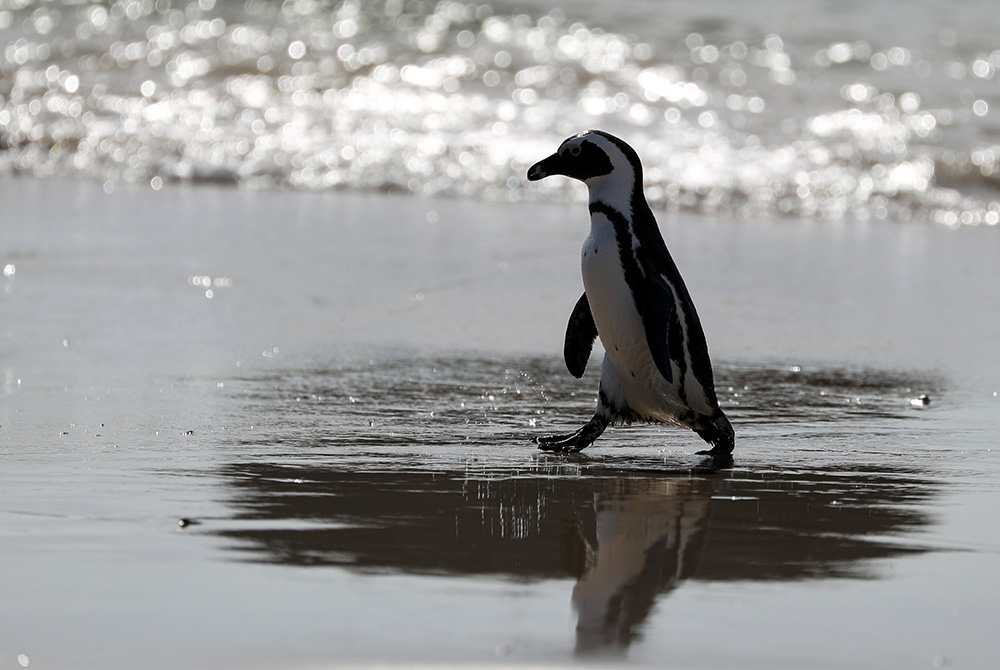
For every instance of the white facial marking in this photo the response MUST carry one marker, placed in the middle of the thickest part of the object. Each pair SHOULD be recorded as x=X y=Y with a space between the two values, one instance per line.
x=615 y=188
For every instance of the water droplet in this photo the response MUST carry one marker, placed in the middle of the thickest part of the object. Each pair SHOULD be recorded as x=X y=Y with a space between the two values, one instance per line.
x=297 y=49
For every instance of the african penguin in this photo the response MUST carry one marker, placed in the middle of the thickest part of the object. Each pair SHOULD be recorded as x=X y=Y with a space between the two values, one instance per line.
x=656 y=366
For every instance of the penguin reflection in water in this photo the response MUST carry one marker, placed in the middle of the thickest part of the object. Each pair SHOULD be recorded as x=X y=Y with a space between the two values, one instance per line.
x=656 y=366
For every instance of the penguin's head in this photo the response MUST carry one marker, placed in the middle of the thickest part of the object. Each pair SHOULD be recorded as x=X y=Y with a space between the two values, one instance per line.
x=592 y=157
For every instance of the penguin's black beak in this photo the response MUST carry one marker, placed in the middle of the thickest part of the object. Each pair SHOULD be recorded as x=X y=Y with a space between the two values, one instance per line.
x=546 y=168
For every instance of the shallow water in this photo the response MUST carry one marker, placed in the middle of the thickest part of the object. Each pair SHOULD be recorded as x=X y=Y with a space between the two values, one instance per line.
x=874 y=110
x=343 y=424
x=274 y=429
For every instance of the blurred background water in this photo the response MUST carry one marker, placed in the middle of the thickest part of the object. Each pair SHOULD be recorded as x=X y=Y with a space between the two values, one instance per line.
x=812 y=109
x=287 y=424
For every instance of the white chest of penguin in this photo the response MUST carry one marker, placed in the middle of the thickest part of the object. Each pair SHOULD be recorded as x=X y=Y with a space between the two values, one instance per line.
x=612 y=303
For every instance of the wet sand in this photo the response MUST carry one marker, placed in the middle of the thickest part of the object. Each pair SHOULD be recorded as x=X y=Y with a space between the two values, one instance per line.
x=336 y=391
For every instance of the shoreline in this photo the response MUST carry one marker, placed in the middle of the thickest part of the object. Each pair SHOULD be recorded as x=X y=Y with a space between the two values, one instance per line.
x=454 y=274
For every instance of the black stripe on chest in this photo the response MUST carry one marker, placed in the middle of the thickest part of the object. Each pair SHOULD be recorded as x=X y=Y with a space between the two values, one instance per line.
x=635 y=278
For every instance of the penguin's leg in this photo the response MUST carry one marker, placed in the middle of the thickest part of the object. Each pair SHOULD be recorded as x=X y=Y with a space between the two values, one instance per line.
x=603 y=417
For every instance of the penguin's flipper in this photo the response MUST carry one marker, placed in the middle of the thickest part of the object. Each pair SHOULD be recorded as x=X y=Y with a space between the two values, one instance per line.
x=580 y=335
x=657 y=310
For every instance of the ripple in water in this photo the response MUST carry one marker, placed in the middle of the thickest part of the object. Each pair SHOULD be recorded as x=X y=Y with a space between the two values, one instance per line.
x=458 y=99
x=431 y=411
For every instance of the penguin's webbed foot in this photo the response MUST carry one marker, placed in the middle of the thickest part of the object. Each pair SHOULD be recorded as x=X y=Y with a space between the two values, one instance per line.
x=720 y=455
x=717 y=461
x=563 y=444
x=718 y=433
x=717 y=450
x=575 y=441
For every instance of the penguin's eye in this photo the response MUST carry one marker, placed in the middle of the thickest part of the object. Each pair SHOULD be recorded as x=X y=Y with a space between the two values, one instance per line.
x=574 y=151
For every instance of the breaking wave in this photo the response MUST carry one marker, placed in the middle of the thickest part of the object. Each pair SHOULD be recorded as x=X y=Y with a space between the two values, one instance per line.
x=828 y=116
